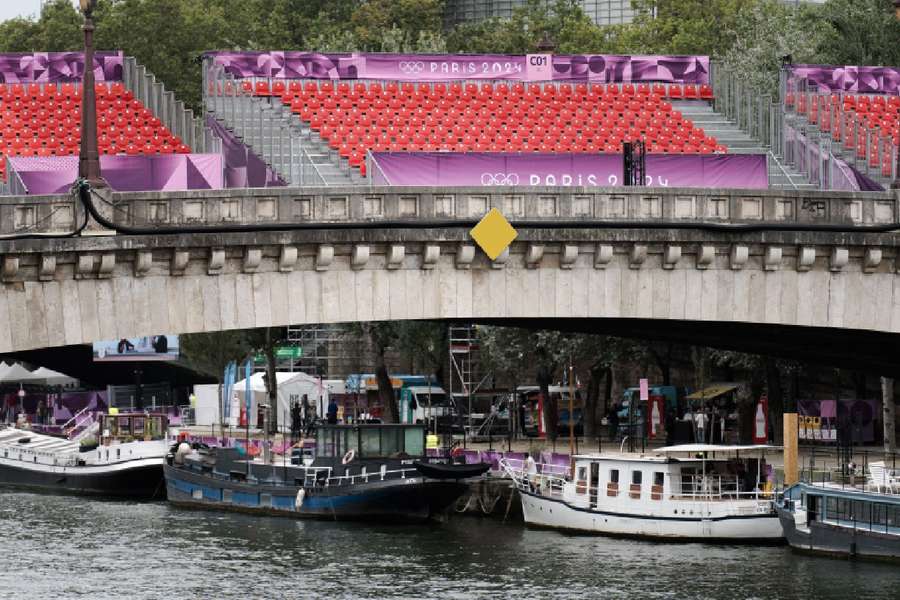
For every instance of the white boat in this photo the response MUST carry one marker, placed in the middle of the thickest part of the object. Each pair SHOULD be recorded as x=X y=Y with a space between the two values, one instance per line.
x=691 y=492
x=125 y=461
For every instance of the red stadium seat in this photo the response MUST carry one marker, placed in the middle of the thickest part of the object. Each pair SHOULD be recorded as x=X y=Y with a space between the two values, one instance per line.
x=490 y=117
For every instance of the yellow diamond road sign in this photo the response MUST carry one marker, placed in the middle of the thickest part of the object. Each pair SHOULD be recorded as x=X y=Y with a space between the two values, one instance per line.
x=493 y=233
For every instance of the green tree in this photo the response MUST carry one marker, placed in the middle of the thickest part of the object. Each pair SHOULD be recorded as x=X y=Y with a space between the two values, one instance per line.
x=860 y=32
x=544 y=351
x=764 y=32
x=561 y=21
x=211 y=352
x=680 y=27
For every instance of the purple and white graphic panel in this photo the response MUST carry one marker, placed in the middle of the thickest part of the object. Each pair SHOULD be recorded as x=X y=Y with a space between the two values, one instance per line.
x=448 y=67
x=853 y=79
x=748 y=171
x=158 y=172
x=58 y=67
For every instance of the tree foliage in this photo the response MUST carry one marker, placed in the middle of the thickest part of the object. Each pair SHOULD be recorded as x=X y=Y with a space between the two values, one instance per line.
x=169 y=36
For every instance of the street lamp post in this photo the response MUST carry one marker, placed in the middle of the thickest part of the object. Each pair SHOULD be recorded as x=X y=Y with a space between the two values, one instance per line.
x=89 y=155
x=895 y=185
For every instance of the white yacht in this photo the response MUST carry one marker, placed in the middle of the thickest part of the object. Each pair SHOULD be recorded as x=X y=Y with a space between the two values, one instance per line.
x=690 y=492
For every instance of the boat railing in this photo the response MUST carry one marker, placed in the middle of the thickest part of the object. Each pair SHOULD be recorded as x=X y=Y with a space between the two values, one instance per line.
x=852 y=469
x=77 y=420
x=545 y=478
x=717 y=487
x=341 y=480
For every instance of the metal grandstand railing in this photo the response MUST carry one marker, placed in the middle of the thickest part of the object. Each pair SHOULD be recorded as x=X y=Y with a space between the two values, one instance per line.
x=268 y=128
x=822 y=115
x=179 y=119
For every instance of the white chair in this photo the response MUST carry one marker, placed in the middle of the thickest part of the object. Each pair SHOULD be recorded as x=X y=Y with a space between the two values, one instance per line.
x=882 y=478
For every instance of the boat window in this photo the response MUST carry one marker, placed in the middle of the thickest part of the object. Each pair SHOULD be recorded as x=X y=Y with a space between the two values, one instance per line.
x=370 y=444
x=636 y=477
x=862 y=511
x=893 y=516
x=352 y=440
x=582 y=473
x=879 y=514
x=658 y=478
x=391 y=441
x=414 y=442
x=614 y=476
x=325 y=443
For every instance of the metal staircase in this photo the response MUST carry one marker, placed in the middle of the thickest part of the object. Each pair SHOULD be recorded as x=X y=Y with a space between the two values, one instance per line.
x=728 y=133
x=280 y=138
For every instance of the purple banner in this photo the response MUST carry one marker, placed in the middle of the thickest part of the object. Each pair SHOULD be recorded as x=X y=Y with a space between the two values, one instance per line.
x=156 y=172
x=58 y=67
x=603 y=170
x=858 y=80
x=445 y=67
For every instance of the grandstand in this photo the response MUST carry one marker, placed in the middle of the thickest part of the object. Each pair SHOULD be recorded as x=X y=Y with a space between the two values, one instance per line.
x=318 y=118
x=300 y=118
x=40 y=110
x=856 y=110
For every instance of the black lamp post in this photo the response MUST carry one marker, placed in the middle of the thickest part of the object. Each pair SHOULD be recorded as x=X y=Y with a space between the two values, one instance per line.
x=895 y=185
x=546 y=45
x=89 y=155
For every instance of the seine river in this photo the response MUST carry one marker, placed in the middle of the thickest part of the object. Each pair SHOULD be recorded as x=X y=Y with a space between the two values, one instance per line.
x=68 y=547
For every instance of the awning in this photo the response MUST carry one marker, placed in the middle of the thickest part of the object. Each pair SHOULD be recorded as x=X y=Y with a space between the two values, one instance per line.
x=713 y=391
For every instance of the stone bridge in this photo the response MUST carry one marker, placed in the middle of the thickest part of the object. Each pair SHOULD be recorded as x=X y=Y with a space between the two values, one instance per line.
x=803 y=274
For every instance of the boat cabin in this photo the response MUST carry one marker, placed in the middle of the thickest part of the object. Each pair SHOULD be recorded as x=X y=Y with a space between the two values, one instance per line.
x=693 y=472
x=845 y=506
x=122 y=428
x=369 y=441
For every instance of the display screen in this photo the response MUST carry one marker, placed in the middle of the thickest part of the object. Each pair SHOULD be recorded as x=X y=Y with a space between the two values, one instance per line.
x=153 y=347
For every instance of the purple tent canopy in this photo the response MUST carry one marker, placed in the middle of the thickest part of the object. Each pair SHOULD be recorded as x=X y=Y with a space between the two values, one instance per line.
x=156 y=172
x=447 y=67
x=534 y=169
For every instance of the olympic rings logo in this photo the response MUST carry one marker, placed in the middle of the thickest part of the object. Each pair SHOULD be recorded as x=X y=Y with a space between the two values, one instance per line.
x=499 y=179
x=411 y=67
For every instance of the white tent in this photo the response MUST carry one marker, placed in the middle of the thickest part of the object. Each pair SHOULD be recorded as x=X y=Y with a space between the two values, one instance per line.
x=52 y=377
x=291 y=389
x=16 y=373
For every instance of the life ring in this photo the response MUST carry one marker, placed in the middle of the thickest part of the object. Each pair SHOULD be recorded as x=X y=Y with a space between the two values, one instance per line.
x=348 y=458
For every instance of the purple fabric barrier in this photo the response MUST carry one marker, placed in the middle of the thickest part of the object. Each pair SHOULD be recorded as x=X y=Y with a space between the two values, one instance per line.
x=534 y=169
x=58 y=67
x=492 y=457
x=859 y=80
x=472 y=456
x=447 y=67
x=243 y=167
x=157 y=172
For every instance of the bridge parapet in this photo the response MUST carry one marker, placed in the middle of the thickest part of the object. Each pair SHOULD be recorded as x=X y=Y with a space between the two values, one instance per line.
x=271 y=207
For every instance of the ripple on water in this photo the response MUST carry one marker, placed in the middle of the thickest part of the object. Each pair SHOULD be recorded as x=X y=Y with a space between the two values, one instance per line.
x=59 y=546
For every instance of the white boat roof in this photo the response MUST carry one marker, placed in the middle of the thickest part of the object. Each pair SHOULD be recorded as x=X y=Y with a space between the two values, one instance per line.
x=695 y=448
x=622 y=456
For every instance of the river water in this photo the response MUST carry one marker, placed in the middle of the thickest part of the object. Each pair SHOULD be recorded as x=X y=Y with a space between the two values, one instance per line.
x=70 y=547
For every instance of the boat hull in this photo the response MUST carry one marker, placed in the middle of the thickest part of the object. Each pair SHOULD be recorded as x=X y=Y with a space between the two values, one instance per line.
x=828 y=538
x=137 y=479
x=414 y=499
x=541 y=511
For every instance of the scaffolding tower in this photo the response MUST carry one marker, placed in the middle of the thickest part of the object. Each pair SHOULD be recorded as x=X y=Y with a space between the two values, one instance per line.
x=465 y=368
x=322 y=348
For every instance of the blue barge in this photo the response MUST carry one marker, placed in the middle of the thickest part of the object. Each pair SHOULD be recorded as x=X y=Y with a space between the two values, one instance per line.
x=359 y=472
x=843 y=520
